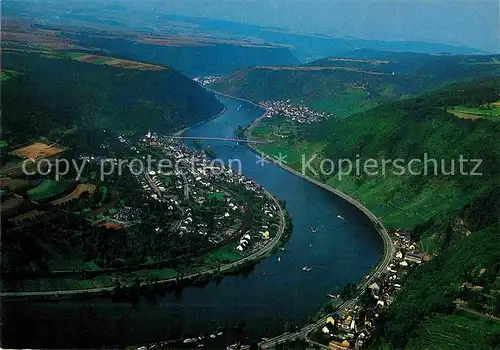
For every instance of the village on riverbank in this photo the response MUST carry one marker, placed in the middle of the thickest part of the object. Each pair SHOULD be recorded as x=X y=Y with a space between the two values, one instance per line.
x=191 y=218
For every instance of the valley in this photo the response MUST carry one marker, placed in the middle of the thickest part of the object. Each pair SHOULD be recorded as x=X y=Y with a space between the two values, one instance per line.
x=174 y=181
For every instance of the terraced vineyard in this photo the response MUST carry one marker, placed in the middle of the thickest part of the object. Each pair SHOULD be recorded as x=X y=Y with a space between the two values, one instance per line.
x=461 y=330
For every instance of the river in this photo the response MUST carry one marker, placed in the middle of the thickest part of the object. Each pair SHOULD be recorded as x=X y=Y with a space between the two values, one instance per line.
x=265 y=298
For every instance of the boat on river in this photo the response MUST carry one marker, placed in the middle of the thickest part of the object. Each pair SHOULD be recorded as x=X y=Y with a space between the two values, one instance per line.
x=307 y=268
x=341 y=217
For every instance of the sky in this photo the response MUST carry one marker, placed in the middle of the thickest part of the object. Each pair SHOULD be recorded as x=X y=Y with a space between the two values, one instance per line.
x=473 y=23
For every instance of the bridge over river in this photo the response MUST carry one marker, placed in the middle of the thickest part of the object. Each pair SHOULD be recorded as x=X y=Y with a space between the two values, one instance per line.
x=226 y=139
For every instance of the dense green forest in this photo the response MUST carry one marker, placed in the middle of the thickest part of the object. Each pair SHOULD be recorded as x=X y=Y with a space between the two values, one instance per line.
x=347 y=86
x=407 y=130
x=81 y=104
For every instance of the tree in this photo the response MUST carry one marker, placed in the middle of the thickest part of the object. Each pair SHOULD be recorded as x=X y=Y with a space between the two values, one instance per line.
x=348 y=291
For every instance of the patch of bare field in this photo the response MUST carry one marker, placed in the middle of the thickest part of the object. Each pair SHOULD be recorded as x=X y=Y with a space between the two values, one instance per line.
x=37 y=150
x=77 y=192
x=88 y=58
x=463 y=115
x=117 y=62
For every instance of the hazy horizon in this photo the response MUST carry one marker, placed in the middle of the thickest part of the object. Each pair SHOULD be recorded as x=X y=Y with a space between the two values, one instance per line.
x=473 y=24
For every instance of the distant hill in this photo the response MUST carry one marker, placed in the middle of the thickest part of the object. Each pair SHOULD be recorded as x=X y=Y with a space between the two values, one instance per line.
x=310 y=46
x=357 y=81
x=197 y=59
x=82 y=100
x=304 y=46
x=191 y=53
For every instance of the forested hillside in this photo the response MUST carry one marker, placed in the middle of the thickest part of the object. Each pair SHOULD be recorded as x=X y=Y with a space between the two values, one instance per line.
x=454 y=215
x=361 y=80
x=80 y=104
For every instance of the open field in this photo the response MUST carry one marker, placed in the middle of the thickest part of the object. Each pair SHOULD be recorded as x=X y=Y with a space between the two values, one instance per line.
x=84 y=57
x=37 y=150
x=491 y=112
x=77 y=192
x=111 y=61
x=224 y=255
x=48 y=189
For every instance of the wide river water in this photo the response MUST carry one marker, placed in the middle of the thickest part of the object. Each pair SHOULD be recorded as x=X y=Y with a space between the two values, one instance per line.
x=273 y=293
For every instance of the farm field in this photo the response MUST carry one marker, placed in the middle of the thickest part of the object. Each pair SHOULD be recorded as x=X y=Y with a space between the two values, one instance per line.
x=491 y=112
x=84 y=57
x=38 y=150
x=77 y=192
x=460 y=330
x=110 y=61
x=48 y=189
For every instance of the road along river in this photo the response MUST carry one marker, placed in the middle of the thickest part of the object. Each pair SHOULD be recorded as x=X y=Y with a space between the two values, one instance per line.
x=261 y=301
